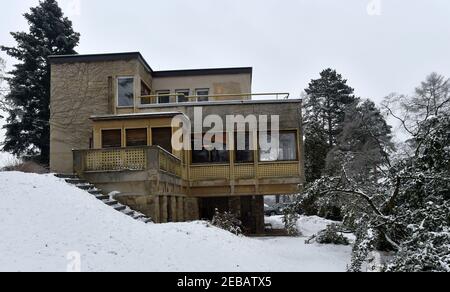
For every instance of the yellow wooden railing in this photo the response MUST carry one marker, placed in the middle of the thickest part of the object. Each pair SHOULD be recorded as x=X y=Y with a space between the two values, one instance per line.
x=245 y=171
x=170 y=163
x=116 y=159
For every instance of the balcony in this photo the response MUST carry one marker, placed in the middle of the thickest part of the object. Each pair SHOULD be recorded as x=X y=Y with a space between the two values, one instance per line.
x=155 y=164
x=151 y=100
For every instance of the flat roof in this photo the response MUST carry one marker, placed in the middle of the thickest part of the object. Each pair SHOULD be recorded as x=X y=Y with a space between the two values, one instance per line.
x=60 y=59
x=200 y=72
x=135 y=116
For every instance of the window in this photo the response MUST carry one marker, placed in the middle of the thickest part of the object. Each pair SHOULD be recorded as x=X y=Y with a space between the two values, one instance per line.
x=287 y=148
x=244 y=153
x=111 y=138
x=202 y=94
x=136 y=137
x=182 y=95
x=145 y=90
x=209 y=155
x=162 y=137
x=125 y=91
x=163 y=96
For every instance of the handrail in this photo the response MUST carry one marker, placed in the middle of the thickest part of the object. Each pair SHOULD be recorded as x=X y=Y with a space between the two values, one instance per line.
x=153 y=98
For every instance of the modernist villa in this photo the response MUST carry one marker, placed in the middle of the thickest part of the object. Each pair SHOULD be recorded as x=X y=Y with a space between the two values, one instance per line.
x=111 y=124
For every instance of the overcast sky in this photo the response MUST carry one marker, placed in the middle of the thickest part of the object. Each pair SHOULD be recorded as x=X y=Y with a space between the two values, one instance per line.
x=379 y=48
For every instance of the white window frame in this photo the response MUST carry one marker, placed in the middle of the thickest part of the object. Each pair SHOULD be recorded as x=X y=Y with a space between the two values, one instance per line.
x=162 y=92
x=117 y=91
x=182 y=91
x=202 y=89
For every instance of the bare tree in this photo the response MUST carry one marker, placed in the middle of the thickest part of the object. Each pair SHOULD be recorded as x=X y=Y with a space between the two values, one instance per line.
x=430 y=99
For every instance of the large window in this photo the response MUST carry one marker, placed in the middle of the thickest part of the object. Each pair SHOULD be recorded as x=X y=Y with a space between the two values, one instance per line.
x=162 y=137
x=111 y=138
x=163 y=96
x=182 y=95
x=243 y=149
x=203 y=94
x=145 y=90
x=125 y=91
x=287 y=150
x=136 y=137
x=208 y=154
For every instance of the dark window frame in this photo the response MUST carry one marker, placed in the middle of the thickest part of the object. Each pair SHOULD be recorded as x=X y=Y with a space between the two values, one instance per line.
x=162 y=92
x=135 y=129
x=211 y=153
x=103 y=140
x=183 y=91
x=236 y=151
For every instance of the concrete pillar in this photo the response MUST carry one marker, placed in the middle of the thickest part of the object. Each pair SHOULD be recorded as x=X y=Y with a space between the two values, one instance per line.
x=157 y=210
x=173 y=209
x=235 y=206
x=180 y=209
x=191 y=209
x=164 y=209
x=258 y=213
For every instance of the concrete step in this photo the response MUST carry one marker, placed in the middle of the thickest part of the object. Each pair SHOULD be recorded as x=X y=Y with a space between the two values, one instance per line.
x=110 y=202
x=66 y=175
x=119 y=207
x=85 y=187
x=128 y=212
x=148 y=220
x=102 y=197
x=96 y=192
x=139 y=216
x=76 y=181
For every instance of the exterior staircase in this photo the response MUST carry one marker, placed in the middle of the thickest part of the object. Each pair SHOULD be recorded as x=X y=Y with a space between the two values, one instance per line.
x=106 y=199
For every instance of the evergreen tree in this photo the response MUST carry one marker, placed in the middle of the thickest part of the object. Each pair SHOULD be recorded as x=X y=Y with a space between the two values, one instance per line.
x=363 y=145
x=50 y=33
x=326 y=103
x=2 y=89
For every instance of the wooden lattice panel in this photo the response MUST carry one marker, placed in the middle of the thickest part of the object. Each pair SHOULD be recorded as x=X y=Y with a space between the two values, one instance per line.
x=117 y=159
x=274 y=170
x=210 y=172
x=244 y=171
x=169 y=164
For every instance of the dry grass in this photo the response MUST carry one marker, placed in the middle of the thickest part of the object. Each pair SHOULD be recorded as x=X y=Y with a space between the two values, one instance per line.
x=24 y=166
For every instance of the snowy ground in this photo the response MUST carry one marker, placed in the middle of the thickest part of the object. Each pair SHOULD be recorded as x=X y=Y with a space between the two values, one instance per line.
x=43 y=221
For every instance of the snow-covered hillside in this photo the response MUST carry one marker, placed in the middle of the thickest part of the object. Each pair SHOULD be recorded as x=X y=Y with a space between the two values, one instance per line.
x=43 y=220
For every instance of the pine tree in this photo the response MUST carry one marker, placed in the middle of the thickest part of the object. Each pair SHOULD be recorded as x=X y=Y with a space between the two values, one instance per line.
x=326 y=103
x=50 y=33
x=2 y=90
x=363 y=145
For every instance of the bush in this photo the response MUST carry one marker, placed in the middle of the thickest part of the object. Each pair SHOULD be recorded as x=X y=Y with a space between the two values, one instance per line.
x=227 y=221
x=25 y=166
x=290 y=220
x=331 y=235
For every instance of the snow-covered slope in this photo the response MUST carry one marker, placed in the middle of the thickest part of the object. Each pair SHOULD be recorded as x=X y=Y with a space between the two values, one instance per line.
x=43 y=220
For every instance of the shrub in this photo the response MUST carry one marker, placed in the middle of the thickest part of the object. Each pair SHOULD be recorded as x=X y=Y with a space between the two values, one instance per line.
x=331 y=235
x=25 y=166
x=227 y=221
x=290 y=220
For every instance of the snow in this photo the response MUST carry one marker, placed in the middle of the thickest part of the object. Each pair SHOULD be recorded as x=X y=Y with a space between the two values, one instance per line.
x=45 y=223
